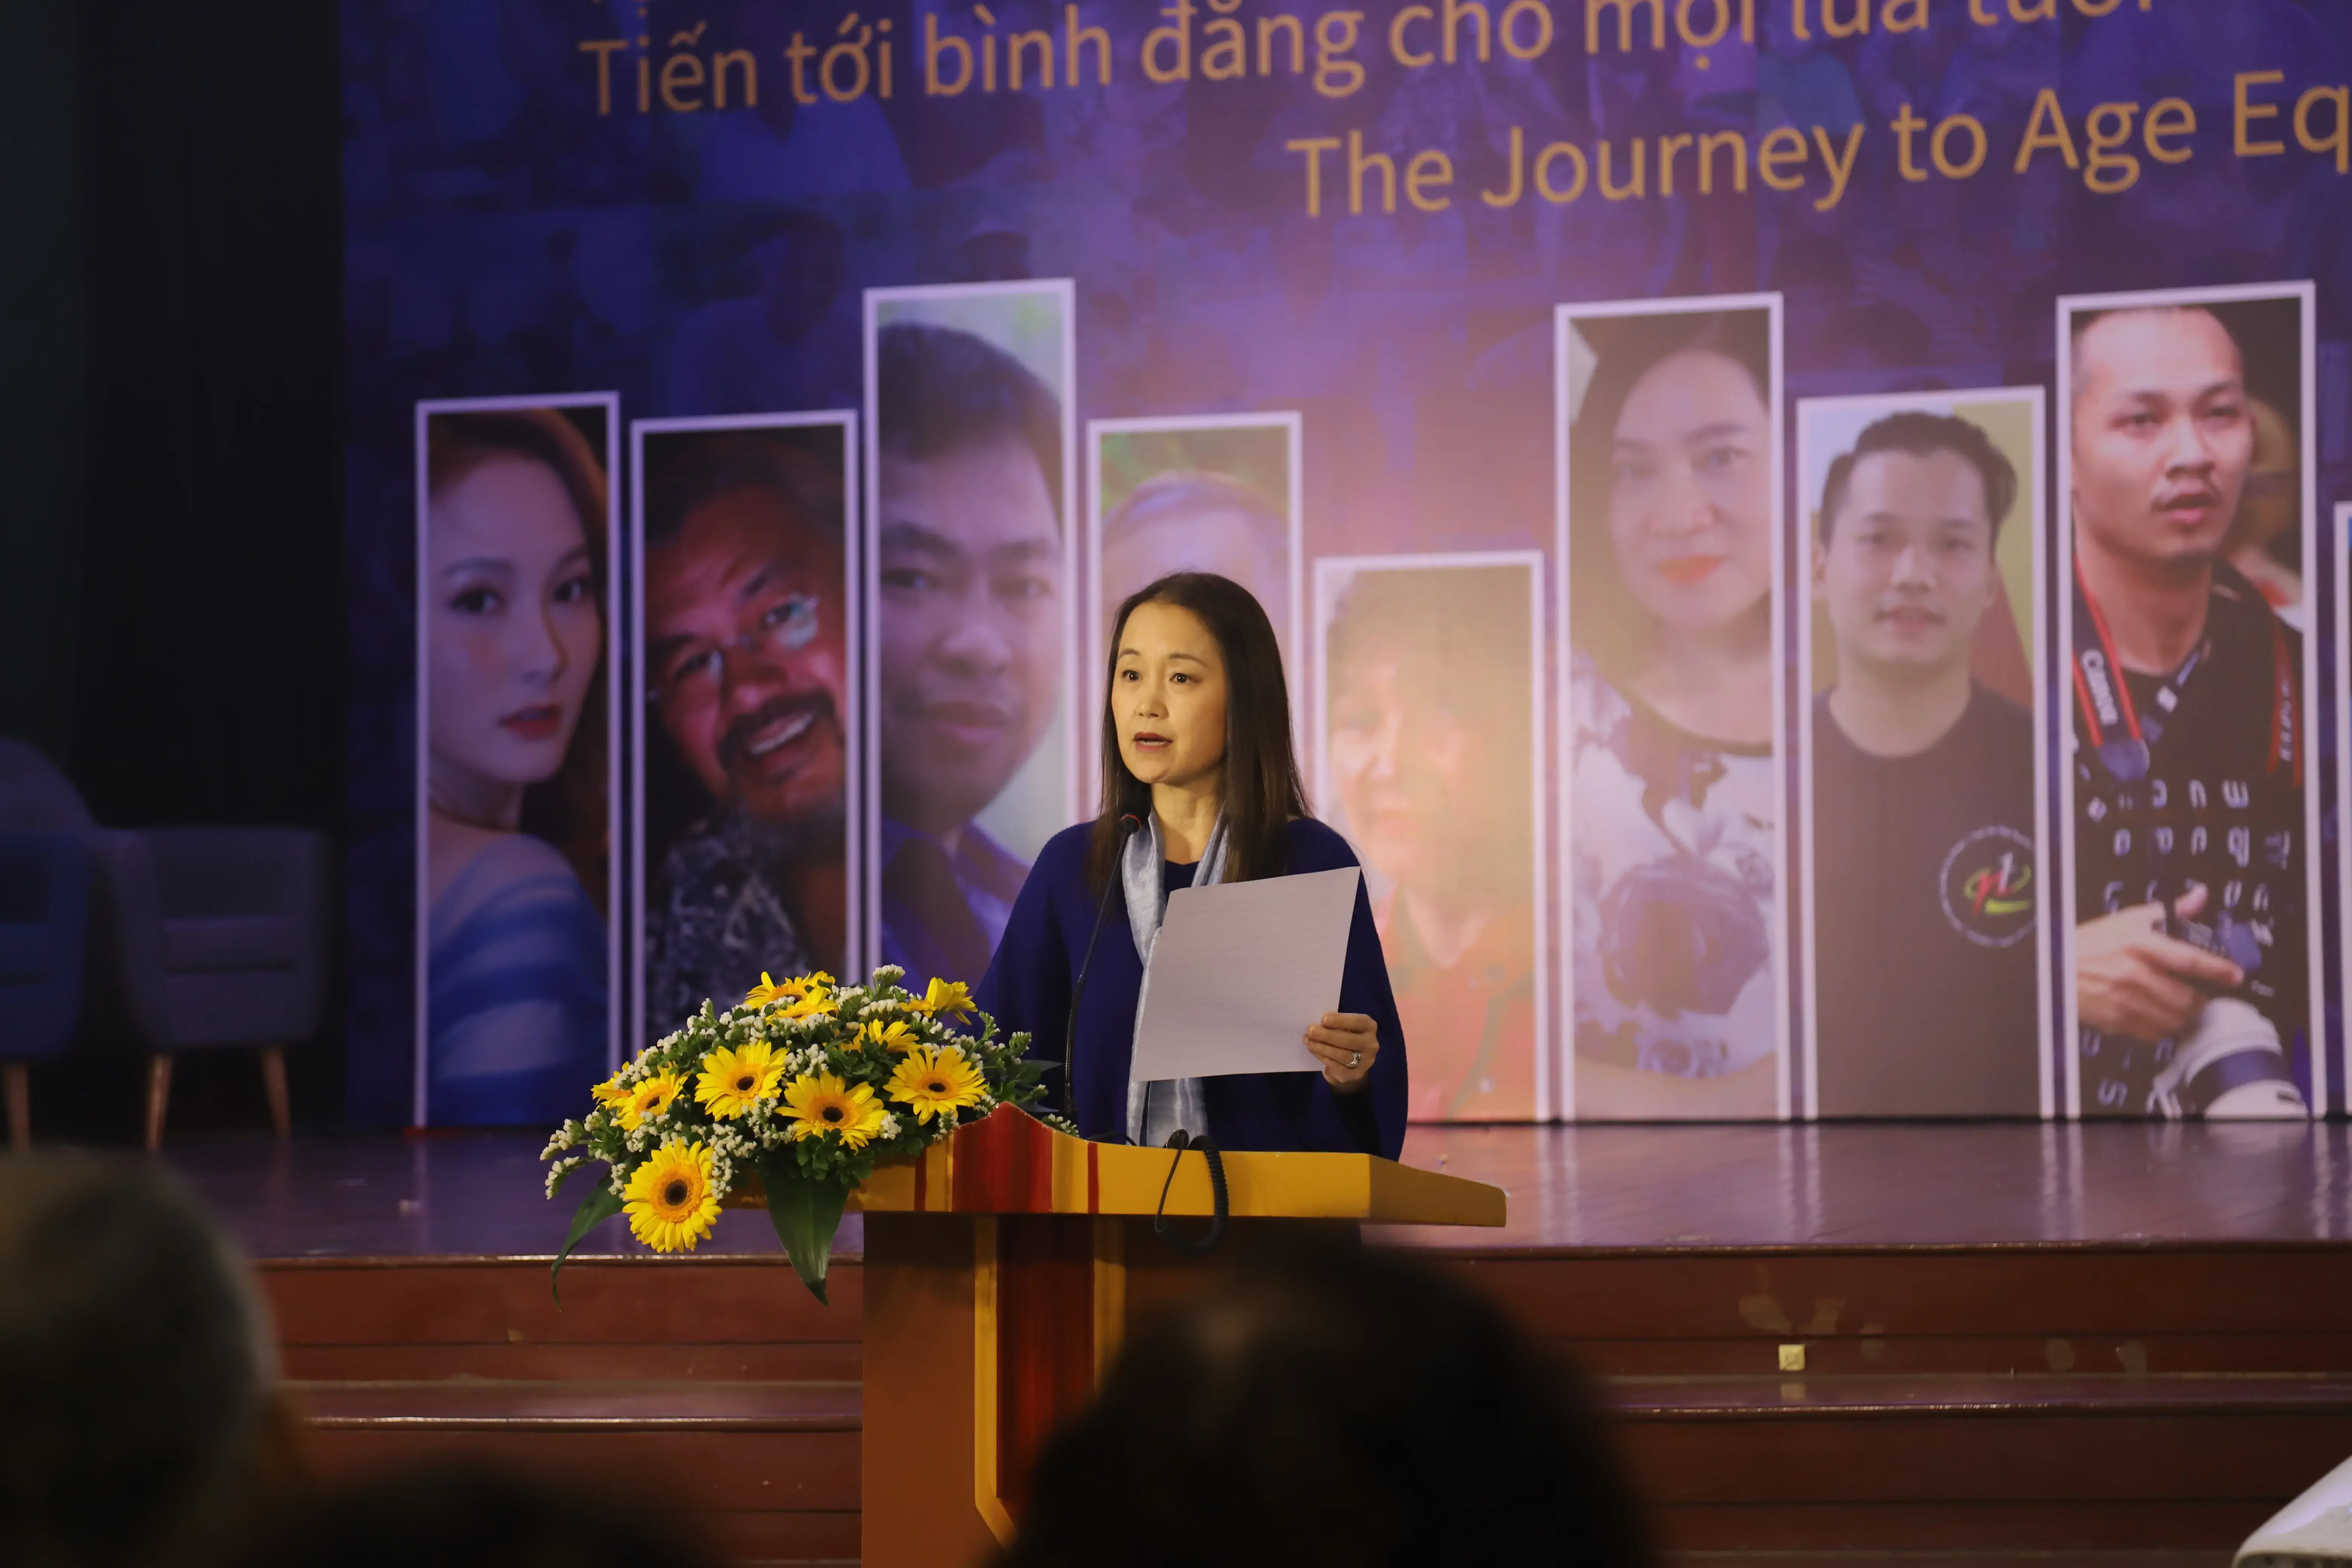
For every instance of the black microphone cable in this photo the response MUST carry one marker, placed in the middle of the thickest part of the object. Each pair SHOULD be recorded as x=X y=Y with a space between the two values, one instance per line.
x=1128 y=825
x=1220 y=1203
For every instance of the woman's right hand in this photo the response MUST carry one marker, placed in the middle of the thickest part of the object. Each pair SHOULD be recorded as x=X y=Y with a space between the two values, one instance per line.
x=1346 y=1044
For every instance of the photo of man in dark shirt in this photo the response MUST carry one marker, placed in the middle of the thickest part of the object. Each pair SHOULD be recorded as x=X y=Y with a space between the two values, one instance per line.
x=967 y=634
x=2191 y=970
x=1926 y=893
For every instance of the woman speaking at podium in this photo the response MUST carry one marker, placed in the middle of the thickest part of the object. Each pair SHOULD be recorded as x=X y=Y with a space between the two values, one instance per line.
x=1200 y=787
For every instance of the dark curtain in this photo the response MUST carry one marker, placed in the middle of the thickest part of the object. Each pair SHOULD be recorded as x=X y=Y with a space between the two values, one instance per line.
x=41 y=390
x=208 y=632
x=171 y=618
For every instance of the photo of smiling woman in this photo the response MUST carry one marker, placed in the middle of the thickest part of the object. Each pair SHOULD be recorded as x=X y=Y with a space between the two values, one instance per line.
x=1201 y=786
x=1670 y=533
x=516 y=829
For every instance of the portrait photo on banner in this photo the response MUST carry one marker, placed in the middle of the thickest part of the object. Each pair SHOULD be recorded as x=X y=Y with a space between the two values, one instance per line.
x=2340 y=546
x=517 y=774
x=1672 y=734
x=2188 y=558
x=1921 y=756
x=744 y=554
x=1428 y=735
x=1216 y=493
x=970 y=579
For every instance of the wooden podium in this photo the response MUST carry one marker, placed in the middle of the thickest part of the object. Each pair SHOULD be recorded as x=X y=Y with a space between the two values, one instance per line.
x=1001 y=1270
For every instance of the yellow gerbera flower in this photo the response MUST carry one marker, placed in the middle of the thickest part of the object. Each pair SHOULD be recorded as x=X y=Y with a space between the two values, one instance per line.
x=650 y=1098
x=894 y=1035
x=936 y=1082
x=670 y=1201
x=732 y=1079
x=817 y=1000
x=791 y=990
x=947 y=996
x=819 y=1104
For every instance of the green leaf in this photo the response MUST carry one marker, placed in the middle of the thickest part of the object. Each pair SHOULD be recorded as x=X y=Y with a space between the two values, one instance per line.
x=806 y=1211
x=594 y=1210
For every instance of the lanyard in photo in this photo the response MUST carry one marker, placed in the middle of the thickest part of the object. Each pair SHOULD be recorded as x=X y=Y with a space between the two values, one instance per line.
x=2122 y=736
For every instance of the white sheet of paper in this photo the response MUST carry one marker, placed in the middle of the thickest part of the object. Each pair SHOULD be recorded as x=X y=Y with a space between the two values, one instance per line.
x=1240 y=972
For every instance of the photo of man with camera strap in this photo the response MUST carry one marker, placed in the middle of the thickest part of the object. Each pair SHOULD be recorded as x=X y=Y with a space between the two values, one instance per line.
x=2190 y=966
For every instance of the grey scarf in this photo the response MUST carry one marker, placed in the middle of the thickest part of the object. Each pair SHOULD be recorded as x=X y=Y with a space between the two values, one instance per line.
x=1155 y=1112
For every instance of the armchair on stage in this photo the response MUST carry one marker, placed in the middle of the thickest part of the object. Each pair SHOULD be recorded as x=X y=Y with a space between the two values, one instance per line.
x=1001 y=1270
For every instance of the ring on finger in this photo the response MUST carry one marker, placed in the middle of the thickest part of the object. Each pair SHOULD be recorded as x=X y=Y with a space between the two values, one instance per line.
x=1355 y=1059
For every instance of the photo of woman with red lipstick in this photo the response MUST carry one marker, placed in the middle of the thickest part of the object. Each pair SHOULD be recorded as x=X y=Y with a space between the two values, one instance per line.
x=516 y=797
x=1671 y=544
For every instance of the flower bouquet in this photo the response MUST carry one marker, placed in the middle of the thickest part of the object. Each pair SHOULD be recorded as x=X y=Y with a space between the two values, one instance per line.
x=804 y=1089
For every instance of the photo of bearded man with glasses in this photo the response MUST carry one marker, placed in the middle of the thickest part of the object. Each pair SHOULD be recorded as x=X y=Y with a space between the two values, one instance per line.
x=748 y=708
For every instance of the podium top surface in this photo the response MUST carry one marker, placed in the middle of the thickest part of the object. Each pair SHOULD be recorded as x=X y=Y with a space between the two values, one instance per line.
x=1009 y=1162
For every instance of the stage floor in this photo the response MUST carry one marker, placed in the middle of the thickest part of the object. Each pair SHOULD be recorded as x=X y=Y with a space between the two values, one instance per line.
x=1610 y=1187
x=2007 y=1336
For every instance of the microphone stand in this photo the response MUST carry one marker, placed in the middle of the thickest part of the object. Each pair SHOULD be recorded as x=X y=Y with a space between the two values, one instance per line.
x=1128 y=825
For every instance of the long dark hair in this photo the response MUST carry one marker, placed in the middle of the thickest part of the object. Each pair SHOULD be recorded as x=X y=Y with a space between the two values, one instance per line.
x=1263 y=789
x=1602 y=619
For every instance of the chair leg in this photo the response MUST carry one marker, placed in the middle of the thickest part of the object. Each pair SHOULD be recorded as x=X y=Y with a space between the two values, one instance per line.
x=159 y=1096
x=19 y=1077
x=273 y=1083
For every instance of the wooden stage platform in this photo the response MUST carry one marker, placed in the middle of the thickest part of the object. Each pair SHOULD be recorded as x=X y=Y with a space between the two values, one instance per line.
x=2110 y=1344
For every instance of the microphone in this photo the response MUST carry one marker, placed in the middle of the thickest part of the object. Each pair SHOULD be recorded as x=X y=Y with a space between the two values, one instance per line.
x=1128 y=825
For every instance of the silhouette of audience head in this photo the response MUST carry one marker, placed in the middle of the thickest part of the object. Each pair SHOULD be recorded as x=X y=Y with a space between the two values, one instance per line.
x=141 y=1417
x=1336 y=1407
x=454 y=1514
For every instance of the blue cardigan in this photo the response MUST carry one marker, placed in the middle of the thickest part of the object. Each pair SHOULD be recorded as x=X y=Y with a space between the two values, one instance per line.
x=1028 y=988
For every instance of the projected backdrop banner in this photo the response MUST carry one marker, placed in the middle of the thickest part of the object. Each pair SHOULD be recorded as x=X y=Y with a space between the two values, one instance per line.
x=1802 y=531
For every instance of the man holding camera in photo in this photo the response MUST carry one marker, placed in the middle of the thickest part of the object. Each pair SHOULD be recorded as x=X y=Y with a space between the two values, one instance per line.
x=2190 y=979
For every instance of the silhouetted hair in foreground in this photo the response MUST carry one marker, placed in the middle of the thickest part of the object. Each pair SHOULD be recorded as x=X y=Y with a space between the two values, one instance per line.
x=1340 y=1408
x=139 y=1408
x=454 y=1514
